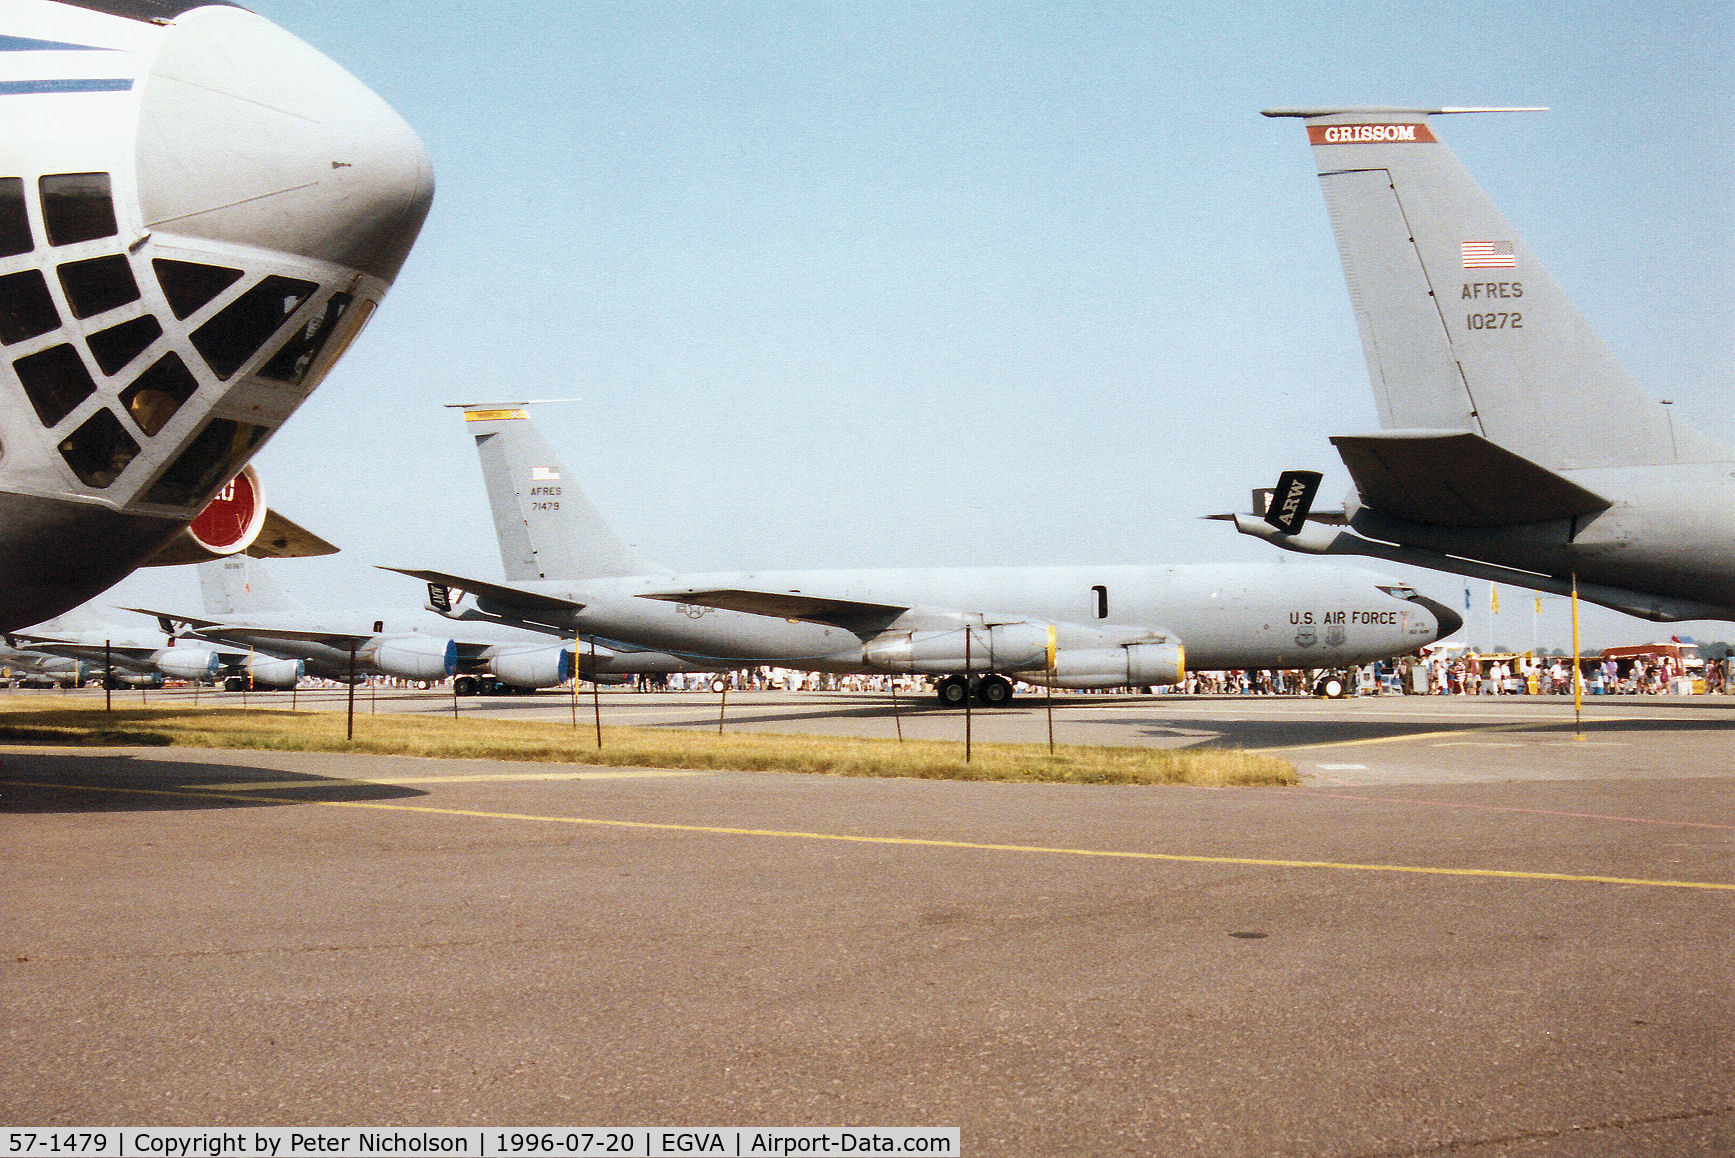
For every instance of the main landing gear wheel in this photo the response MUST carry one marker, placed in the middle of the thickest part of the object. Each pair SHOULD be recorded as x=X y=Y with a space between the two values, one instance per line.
x=952 y=691
x=994 y=691
x=1331 y=687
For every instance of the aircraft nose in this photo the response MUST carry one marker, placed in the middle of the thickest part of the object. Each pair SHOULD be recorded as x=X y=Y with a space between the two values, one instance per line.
x=249 y=136
x=1449 y=620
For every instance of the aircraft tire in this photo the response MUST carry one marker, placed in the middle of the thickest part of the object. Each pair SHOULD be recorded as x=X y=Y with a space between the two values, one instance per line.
x=994 y=691
x=952 y=691
x=464 y=686
x=1331 y=687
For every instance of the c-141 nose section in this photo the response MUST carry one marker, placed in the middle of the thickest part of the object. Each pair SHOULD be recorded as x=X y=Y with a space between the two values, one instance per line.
x=249 y=136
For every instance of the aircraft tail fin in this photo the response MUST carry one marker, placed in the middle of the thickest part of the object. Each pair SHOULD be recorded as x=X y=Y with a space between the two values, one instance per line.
x=238 y=585
x=547 y=528
x=1462 y=327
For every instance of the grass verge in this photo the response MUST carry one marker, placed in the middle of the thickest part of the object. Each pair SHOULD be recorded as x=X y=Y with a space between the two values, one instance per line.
x=403 y=735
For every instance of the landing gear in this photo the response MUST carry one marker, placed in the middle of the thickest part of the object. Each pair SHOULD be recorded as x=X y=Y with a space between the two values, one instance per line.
x=465 y=686
x=952 y=691
x=994 y=691
x=1331 y=686
x=991 y=691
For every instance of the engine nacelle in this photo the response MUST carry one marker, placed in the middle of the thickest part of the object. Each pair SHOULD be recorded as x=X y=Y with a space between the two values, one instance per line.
x=1131 y=665
x=1003 y=647
x=187 y=663
x=543 y=666
x=412 y=657
x=228 y=524
x=271 y=672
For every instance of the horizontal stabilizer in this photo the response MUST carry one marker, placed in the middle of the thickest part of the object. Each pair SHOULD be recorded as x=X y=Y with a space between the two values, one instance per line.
x=501 y=599
x=845 y=613
x=167 y=620
x=1456 y=478
x=281 y=538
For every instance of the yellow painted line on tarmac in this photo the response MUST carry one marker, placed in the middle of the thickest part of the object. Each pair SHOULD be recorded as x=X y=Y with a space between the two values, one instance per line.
x=914 y=842
x=503 y=778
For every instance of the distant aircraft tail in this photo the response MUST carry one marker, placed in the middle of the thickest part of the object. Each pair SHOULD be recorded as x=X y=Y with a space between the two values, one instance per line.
x=1463 y=328
x=547 y=528
x=238 y=586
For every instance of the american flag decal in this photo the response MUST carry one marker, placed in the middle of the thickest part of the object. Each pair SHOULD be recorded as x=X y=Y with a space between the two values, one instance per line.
x=1488 y=255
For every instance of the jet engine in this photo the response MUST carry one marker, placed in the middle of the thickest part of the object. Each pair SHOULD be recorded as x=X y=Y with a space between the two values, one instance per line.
x=187 y=663
x=228 y=524
x=1130 y=665
x=1001 y=647
x=531 y=667
x=270 y=672
x=412 y=657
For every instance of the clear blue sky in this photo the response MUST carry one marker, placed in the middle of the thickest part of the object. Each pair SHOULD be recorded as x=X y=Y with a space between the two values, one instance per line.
x=859 y=284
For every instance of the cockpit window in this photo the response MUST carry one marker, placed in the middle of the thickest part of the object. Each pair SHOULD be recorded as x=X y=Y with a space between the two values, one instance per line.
x=14 y=220
x=153 y=399
x=26 y=309
x=189 y=285
x=56 y=381
x=99 y=449
x=1399 y=591
x=114 y=347
x=77 y=207
x=296 y=356
x=245 y=324
x=98 y=285
x=213 y=457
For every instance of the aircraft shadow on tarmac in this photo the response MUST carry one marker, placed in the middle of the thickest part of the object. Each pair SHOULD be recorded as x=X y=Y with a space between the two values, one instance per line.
x=34 y=782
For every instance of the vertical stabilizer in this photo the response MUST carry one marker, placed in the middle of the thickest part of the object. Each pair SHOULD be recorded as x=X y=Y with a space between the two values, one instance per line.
x=547 y=528
x=237 y=586
x=1462 y=327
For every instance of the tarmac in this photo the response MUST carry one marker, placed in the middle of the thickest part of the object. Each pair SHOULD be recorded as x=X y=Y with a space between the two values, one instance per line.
x=1478 y=928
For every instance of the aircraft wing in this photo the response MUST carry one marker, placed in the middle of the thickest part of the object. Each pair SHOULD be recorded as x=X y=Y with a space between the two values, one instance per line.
x=1457 y=478
x=501 y=599
x=244 y=635
x=122 y=656
x=849 y=614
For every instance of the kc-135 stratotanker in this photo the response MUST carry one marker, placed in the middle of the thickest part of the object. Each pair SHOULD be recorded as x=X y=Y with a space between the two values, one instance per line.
x=1514 y=446
x=567 y=573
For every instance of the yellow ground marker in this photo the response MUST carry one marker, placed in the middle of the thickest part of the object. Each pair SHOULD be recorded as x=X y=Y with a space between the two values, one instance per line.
x=909 y=842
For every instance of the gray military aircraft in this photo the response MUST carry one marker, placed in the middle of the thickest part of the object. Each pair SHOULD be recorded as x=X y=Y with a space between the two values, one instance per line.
x=250 y=629
x=79 y=648
x=567 y=572
x=1514 y=446
x=198 y=213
